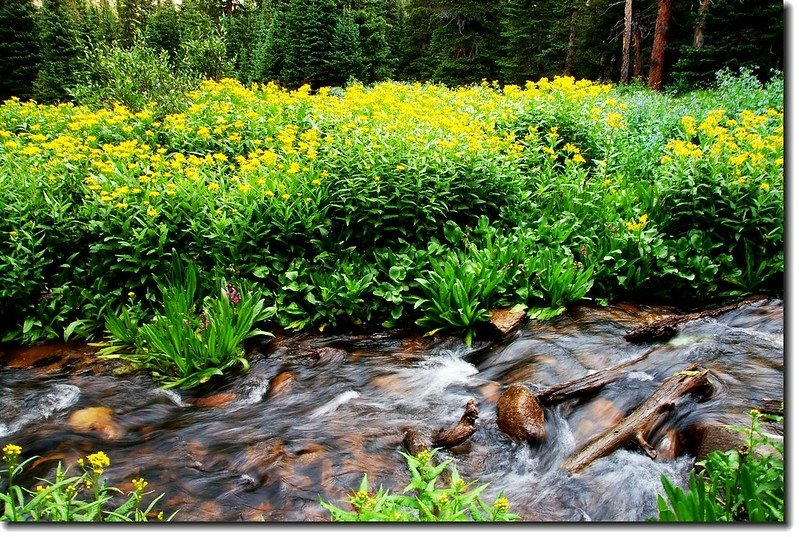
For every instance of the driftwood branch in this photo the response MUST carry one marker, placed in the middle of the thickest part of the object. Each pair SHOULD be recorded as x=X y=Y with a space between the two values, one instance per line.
x=587 y=384
x=666 y=328
x=639 y=425
x=461 y=432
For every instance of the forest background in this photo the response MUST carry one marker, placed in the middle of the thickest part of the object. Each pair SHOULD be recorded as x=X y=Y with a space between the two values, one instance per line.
x=50 y=47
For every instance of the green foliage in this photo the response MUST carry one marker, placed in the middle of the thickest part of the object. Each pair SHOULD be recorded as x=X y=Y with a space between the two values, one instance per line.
x=756 y=45
x=190 y=340
x=746 y=485
x=61 y=45
x=134 y=77
x=19 y=49
x=82 y=497
x=389 y=204
x=162 y=31
x=425 y=499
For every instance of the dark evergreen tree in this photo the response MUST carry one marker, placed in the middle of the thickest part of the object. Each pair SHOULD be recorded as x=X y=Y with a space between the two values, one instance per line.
x=370 y=18
x=465 y=41
x=307 y=44
x=99 y=22
x=162 y=31
x=240 y=23
x=755 y=43
x=19 y=49
x=346 y=57
x=267 y=55
x=416 y=61
x=133 y=16
x=62 y=46
x=535 y=37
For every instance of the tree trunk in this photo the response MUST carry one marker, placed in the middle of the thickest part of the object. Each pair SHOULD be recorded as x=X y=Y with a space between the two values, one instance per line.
x=657 y=65
x=699 y=29
x=641 y=423
x=569 y=67
x=625 y=42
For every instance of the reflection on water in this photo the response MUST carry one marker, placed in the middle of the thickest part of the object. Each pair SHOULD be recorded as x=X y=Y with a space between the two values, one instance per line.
x=315 y=413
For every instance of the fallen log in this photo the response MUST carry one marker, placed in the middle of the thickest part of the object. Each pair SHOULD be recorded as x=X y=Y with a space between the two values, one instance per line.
x=666 y=328
x=587 y=384
x=642 y=421
x=461 y=432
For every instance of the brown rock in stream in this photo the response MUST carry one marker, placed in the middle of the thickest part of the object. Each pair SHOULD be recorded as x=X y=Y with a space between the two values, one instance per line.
x=99 y=419
x=281 y=383
x=505 y=321
x=520 y=416
x=330 y=355
x=217 y=400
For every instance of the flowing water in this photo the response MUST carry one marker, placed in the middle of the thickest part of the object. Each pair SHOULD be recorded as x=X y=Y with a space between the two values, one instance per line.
x=316 y=412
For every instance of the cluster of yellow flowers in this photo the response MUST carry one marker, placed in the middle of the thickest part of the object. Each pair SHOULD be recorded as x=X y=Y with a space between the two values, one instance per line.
x=236 y=143
x=747 y=146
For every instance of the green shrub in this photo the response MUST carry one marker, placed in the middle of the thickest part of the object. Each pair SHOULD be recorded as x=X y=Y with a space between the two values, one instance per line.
x=134 y=77
x=191 y=340
x=746 y=485
x=424 y=499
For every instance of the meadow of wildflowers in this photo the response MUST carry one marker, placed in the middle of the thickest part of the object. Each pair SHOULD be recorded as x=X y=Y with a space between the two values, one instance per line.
x=394 y=204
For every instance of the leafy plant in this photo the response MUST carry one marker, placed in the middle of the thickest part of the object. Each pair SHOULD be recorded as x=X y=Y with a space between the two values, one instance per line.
x=82 y=497
x=191 y=340
x=424 y=499
x=732 y=485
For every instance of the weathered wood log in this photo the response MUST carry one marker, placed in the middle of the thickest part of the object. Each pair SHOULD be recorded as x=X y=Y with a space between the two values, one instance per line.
x=640 y=423
x=771 y=406
x=587 y=384
x=462 y=431
x=414 y=441
x=666 y=328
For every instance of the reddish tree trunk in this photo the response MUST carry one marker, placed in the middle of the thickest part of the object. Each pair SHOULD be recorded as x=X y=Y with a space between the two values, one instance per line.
x=657 y=65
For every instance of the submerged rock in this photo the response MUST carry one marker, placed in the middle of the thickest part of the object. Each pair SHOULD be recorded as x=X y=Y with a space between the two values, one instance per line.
x=281 y=383
x=520 y=416
x=330 y=355
x=98 y=419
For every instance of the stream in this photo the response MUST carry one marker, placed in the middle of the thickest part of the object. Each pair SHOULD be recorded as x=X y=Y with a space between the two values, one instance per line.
x=316 y=411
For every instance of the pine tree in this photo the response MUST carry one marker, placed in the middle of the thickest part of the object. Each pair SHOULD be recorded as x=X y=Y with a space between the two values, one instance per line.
x=162 y=30
x=240 y=23
x=19 y=49
x=61 y=45
x=346 y=57
x=465 y=41
x=535 y=37
x=416 y=62
x=307 y=44
x=133 y=16
x=370 y=18
x=756 y=43
x=267 y=55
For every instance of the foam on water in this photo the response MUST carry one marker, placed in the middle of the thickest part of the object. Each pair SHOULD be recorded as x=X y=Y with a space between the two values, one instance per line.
x=61 y=396
x=335 y=403
x=438 y=372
